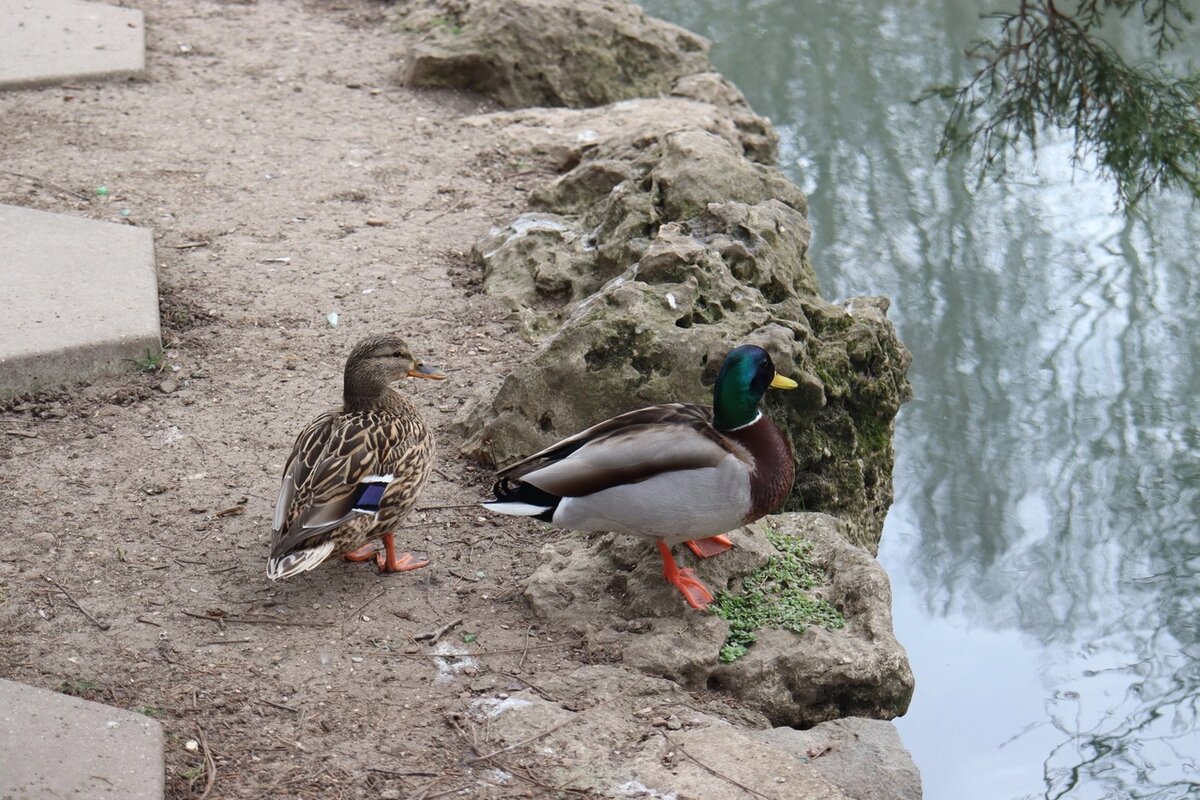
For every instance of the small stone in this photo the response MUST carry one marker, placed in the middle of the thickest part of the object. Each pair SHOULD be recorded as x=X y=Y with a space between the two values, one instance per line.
x=168 y=386
x=191 y=745
x=376 y=222
x=673 y=723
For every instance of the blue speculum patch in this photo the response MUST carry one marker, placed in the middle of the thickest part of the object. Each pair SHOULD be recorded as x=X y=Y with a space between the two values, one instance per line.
x=368 y=496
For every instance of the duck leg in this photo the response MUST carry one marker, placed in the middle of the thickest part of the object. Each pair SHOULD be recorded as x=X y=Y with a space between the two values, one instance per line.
x=683 y=579
x=710 y=546
x=389 y=562
x=364 y=553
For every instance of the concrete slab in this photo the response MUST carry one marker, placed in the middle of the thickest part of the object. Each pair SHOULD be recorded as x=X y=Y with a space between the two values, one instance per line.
x=52 y=41
x=55 y=746
x=78 y=298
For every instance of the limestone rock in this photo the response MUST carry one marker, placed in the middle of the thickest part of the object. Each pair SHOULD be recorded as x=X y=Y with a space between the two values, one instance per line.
x=624 y=735
x=660 y=246
x=609 y=589
x=865 y=758
x=560 y=137
x=550 y=52
x=758 y=137
x=654 y=283
x=536 y=264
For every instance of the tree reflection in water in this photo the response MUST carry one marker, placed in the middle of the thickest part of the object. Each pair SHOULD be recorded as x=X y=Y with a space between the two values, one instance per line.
x=1049 y=480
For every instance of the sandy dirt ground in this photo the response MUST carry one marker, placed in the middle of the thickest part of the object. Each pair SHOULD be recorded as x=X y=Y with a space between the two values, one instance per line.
x=286 y=177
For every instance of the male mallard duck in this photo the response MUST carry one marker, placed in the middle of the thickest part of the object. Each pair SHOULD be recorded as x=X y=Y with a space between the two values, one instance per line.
x=674 y=472
x=355 y=473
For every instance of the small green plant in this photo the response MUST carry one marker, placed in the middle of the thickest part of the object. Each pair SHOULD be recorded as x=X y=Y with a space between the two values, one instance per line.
x=149 y=711
x=447 y=23
x=78 y=687
x=150 y=363
x=192 y=773
x=775 y=595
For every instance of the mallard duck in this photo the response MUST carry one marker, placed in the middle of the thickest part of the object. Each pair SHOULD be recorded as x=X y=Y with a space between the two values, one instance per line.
x=675 y=473
x=355 y=473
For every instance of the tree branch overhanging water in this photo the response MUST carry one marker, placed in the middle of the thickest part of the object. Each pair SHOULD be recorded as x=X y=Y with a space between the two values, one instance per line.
x=1049 y=69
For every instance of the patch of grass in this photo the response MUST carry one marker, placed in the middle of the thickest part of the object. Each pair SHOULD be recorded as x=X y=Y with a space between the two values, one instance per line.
x=151 y=362
x=149 y=711
x=775 y=595
x=447 y=23
x=192 y=773
x=78 y=687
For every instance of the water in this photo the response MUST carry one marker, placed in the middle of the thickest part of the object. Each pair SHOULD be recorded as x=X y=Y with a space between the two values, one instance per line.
x=1044 y=546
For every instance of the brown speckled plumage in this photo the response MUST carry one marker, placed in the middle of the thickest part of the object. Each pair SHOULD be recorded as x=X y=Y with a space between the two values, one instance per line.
x=375 y=434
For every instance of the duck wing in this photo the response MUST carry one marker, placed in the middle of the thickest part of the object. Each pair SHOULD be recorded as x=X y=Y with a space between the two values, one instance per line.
x=626 y=449
x=339 y=468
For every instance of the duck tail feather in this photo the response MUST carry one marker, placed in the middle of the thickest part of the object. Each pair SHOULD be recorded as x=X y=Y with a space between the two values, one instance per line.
x=297 y=561
x=521 y=499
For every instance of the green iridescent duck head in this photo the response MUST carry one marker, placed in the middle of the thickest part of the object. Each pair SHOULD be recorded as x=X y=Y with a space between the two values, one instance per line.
x=744 y=378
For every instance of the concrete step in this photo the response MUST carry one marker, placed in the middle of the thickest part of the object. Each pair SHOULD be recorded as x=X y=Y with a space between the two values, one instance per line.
x=79 y=298
x=47 y=42
x=54 y=746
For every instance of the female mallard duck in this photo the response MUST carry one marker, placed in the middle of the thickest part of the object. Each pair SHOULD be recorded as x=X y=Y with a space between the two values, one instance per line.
x=675 y=472
x=355 y=473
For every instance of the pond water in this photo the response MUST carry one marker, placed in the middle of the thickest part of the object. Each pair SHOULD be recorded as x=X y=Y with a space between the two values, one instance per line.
x=1044 y=546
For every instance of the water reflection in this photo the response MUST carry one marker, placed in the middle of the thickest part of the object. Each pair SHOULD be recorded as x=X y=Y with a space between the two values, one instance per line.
x=1045 y=543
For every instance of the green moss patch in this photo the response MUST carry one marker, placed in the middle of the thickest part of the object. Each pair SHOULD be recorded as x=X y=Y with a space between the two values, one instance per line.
x=775 y=595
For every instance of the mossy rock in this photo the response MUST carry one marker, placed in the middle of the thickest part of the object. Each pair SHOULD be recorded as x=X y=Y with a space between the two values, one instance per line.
x=659 y=331
x=609 y=589
x=549 y=52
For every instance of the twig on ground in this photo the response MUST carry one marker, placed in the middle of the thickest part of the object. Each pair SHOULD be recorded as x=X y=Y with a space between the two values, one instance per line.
x=210 y=764
x=224 y=641
x=31 y=452
x=529 y=684
x=486 y=653
x=712 y=771
x=573 y=718
x=453 y=505
x=148 y=621
x=101 y=625
x=359 y=610
x=401 y=773
x=433 y=636
x=525 y=650
x=297 y=745
x=260 y=619
x=219 y=620
x=280 y=706
x=459 y=575
x=26 y=434
x=48 y=184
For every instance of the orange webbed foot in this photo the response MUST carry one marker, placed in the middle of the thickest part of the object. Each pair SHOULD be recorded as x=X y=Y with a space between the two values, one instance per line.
x=365 y=553
x=693 y=590
x=710 y=546
x=389 y=561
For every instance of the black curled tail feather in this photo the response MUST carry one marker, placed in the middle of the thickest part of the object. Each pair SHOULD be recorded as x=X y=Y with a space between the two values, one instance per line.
x=507 y=490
